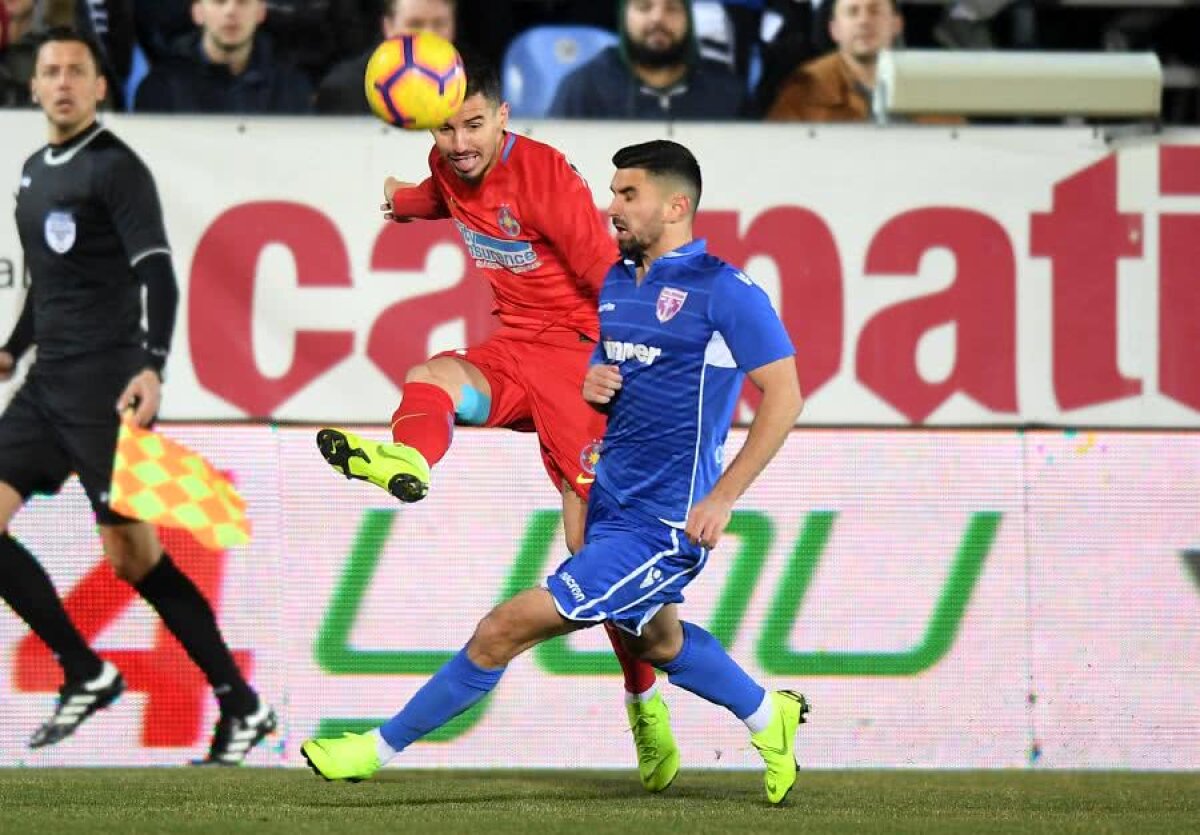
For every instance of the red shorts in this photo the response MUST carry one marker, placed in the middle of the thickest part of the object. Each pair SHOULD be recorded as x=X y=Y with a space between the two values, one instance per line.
x=537 y=386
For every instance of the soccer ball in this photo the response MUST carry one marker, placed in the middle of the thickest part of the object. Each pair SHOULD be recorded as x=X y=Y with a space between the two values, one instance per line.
x=415 y=81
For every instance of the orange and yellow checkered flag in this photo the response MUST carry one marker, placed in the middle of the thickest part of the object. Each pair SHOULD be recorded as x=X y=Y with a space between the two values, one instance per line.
x=163 y=482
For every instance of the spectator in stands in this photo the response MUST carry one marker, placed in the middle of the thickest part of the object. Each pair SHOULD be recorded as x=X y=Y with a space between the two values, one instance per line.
x=111 y=24
x=730 y=31
x=21 y=25
x=18 y=49
x=314 y=35
x=654 y=73
x=160 y=25
x=966 y=24
x=838 y=87
x=341 y=92
x=225 y=66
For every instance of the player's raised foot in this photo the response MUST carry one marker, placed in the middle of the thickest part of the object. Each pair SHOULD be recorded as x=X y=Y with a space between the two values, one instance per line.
x=78 y=700
x=777 y=742
x=397 y=468
x=658 y=756
x=350 y=757
x=234 y=736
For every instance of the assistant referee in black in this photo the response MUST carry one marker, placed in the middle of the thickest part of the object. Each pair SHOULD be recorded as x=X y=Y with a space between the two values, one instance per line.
x=91 y=227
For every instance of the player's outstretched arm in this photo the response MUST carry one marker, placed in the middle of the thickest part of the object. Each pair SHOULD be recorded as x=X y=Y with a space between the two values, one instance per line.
x=781 y=405
x=404 y=202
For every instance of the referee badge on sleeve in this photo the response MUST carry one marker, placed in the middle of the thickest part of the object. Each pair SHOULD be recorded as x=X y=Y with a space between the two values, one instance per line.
x=60 y=231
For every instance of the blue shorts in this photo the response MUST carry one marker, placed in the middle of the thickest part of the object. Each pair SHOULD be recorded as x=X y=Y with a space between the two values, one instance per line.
x=631 y=565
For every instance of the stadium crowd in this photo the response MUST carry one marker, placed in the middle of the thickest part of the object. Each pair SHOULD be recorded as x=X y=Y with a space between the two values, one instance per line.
x=781 y=60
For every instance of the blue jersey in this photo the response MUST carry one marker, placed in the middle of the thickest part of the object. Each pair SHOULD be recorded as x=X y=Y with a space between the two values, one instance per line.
x=683 y=341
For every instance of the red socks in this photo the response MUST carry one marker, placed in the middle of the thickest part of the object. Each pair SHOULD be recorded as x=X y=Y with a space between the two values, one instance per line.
x=424 y=421
x=639 y=676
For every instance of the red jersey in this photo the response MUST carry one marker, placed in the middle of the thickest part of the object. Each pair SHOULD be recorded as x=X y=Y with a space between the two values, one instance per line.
x=532 y=227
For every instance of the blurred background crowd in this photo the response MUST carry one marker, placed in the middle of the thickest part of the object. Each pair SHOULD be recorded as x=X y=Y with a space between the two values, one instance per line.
x=780 y=60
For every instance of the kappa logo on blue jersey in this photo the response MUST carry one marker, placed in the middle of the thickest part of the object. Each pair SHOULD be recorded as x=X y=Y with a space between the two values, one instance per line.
x=496 y=252
x=652 y=577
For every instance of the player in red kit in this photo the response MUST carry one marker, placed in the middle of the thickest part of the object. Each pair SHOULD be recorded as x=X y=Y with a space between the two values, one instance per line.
x=530 y=224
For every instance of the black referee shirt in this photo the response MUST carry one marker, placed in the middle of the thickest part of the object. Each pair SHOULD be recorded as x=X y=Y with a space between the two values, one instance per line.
x=87 y=212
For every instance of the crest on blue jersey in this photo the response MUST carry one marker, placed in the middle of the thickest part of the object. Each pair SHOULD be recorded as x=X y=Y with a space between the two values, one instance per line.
x=59 y=230
x=670 y=302
x=507 y=222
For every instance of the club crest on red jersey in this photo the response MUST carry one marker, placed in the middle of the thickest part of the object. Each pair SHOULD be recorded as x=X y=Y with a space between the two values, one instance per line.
x=670 y=302
x=508 y=222
x=589 y=457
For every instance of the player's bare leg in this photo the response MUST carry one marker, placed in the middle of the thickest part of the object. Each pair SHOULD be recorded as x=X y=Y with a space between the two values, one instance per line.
x=516 y=625
x=435 y=392
x=649 y=720
x=574 y=516
x=451 y=375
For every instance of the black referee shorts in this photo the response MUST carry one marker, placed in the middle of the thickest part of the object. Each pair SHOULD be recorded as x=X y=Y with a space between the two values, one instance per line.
x=63 y=420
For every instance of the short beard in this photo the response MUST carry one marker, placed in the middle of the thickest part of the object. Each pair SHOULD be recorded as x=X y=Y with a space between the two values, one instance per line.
x=644 y=56
x=869 y=59
x=473 y=180
x=633 y=250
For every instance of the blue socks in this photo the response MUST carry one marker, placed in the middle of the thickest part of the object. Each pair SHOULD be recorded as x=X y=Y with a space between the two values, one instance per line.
x=704 y=667
x=701 y=667
x=459 y=684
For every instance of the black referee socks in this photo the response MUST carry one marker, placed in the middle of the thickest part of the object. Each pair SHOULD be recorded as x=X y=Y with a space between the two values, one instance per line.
x=190 y=618
x=27 y=588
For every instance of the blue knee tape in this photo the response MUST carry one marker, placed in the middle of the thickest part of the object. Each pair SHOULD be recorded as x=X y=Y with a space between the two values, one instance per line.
x=474 y=408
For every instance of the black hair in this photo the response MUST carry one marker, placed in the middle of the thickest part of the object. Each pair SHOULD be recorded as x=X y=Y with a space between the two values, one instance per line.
x=662 y=158
x=895 y=4
x=387 y=8
x=63 y=34
x=482 y=77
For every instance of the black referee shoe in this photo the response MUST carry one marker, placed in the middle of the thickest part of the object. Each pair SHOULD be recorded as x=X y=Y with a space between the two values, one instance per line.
x=234 y=736
x=77 y=700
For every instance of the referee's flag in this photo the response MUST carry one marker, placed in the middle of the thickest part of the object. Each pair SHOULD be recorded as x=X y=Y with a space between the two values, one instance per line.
x=163 y=482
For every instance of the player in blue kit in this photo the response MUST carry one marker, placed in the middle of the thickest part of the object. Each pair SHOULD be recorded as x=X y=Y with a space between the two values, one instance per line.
x=679 y=331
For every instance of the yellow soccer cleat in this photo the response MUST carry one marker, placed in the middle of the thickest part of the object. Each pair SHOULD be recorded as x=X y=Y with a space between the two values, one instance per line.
x=397 y=468
x=350 y=757
x=658 y=756
x=777 y=743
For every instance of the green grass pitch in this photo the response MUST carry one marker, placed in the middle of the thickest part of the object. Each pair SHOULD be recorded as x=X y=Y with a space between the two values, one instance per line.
x=587 y=803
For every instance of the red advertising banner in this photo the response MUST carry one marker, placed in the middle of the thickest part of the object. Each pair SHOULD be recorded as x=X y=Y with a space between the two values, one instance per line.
x=938 y=276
